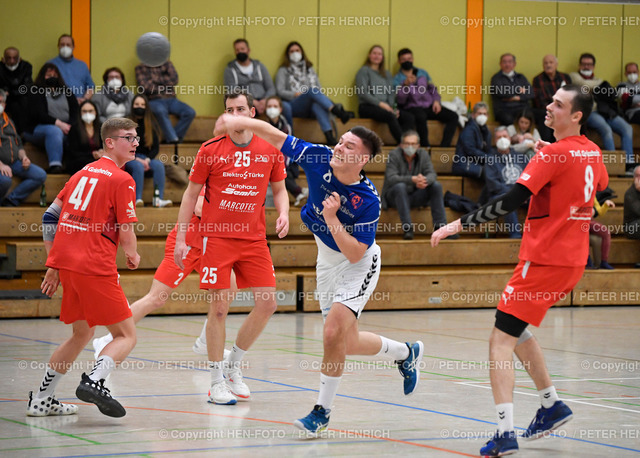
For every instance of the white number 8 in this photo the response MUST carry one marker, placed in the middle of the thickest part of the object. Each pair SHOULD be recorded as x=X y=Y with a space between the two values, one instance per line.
x=588 y=183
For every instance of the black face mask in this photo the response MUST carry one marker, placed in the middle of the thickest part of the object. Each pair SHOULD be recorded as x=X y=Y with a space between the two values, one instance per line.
x=139 y=112
x=242 y=56
x=52 y=82
x=406 y=65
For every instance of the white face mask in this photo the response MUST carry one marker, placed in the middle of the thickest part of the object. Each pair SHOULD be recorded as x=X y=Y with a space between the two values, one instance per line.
x=272 y=112
x=503 y=143
x=13 y=67
x=410 y=150
x=88 y=117
x=586 y=73
x=633 y=78
x=481 y=119
x=1 y=109
x=66 y=51
x=510 y=74
x=295 y=57
x=115 y=83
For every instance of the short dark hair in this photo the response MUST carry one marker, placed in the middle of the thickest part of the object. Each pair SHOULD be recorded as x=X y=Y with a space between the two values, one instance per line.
x=587 y=55
x=369 y=138
x=73 y=42
x=241 y=40
x=581 y=102
x=237 y=92
x=113 y=69
x=507 y=54
x=404 y=51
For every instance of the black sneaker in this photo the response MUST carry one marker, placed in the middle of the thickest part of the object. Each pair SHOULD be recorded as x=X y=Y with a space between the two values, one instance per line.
x=96 y=393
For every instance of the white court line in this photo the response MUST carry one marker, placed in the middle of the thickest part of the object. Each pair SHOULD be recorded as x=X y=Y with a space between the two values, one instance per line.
x=564 y=399
x=528 y=380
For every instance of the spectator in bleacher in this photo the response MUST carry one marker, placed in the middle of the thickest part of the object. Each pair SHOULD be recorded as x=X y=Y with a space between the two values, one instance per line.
x=84 y=144
x=473 y=144
x=114 y=99
x=605 y=117
x=503 y=168
x=510 y=91
x=159 y=87
x=377 y=94
x=14 y=162
x=253 y=76
x=145 y=163
x=632 y=207
x=417 y=95
x=544 y=86
x=523 y=133
x=629 y=93
x=14 y=73
x=276 y=119
x=74 y=72
x=600 y=230
x=298 y=84
x=52 y=110
x=410 y=181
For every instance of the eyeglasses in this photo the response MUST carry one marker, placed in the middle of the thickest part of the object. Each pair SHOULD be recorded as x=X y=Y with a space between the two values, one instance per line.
x=129 y=138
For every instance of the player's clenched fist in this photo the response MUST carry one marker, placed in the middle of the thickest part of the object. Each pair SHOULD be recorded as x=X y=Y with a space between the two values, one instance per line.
x=133 y=261
x=331 y=204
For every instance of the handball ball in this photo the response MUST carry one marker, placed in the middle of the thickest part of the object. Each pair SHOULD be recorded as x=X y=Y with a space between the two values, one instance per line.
x=153 y=49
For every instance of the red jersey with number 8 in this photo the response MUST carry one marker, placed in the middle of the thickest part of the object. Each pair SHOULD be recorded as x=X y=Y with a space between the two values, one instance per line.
x=563 y=177
x=95 y=201
x=236 y=179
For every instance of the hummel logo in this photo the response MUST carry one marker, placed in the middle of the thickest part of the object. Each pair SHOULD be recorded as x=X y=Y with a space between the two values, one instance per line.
x=547 y=395
x=501 y=415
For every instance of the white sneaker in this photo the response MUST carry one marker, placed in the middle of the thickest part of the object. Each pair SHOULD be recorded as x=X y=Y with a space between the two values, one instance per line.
x=164 y=203
x=139 y=203
x=300 y=197
x=200 y=347
x=233 y=376
x=219 y=394
x=48 y=406
x=99 y=343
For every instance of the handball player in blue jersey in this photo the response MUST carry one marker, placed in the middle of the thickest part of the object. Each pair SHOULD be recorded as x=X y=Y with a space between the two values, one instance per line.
x=342 y=212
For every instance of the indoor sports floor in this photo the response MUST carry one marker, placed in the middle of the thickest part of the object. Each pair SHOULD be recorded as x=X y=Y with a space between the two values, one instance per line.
x=592 y=354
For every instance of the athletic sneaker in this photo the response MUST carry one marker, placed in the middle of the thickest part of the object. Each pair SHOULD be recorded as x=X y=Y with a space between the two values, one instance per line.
x=410 y=367
x=314 y=423
x=98 y=394
x=200 y=347
x=219 y=394
x=48 y=406
x=233 y=376
x=547 y=420
x=99 y=343
x=501 y=444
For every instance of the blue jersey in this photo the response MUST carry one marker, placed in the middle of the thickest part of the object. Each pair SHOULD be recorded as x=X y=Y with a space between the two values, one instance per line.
x=360 y=209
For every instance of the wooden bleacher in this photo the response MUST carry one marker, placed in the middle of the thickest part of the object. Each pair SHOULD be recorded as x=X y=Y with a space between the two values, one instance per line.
x=469 y=272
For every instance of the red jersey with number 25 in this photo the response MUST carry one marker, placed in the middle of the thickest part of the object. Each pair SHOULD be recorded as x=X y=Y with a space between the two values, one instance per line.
x=95 y=201
x=236 y=178
x=563 y=177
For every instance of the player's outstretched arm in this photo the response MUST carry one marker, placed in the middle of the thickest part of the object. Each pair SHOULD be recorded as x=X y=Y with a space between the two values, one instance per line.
x=281 y=201
x=228 y=123
x=445 y=231
x=50 y=218
x=187 y=207
x=129 y=244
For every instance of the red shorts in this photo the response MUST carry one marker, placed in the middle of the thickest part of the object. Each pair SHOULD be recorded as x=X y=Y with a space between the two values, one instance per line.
x=96 y=299
x=249 y=259
x=534 y=288
x=168 y=271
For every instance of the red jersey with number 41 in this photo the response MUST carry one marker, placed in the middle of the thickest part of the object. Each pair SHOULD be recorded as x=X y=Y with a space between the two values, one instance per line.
x=95 y=202
x=236 y=179
x=563 y=177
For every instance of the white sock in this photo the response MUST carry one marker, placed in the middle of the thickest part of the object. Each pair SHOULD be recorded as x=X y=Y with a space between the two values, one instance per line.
x=393 y=349
x=235 y=358
x=104 y=365
x=49 y=382
x=505 y=416
x=215 y=367
x=548 y=396
x=203 y=333
x=105 y=340
x=328 y=390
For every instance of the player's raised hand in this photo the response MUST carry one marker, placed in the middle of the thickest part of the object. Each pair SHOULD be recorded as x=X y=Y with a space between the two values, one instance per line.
x=282 y=226
x=540 y=144
x=331 y=205
x=133 y=261
x=445 y=231
x=179 y=253
x=50 y=282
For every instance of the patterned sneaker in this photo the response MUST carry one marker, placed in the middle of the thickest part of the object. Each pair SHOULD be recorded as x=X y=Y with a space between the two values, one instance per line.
x=547 y=420
x=200 y=347
x=501 y=444
x=220 y=394
x=314 y=423
x=233 y=376
x=96 y=393
x=99 y=343
x=410 y=367
x=48 y=406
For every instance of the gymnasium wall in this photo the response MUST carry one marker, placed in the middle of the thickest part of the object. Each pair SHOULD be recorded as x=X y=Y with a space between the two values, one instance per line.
x=333 y=35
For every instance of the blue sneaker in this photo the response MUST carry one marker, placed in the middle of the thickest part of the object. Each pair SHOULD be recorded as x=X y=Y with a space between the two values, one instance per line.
x=410 y=367
x=501 y=444
x=314 y=423
x=547 y=420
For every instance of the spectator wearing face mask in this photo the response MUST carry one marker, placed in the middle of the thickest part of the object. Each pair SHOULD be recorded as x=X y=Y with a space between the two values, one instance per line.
x=114 y=99
x=629 y=92
x=473 y=144
x=15 y=76
x=84 y=145
x=74 y=71
x=410 y=181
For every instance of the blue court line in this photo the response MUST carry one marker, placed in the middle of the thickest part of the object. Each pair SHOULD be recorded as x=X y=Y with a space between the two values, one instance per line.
x=344 y=396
